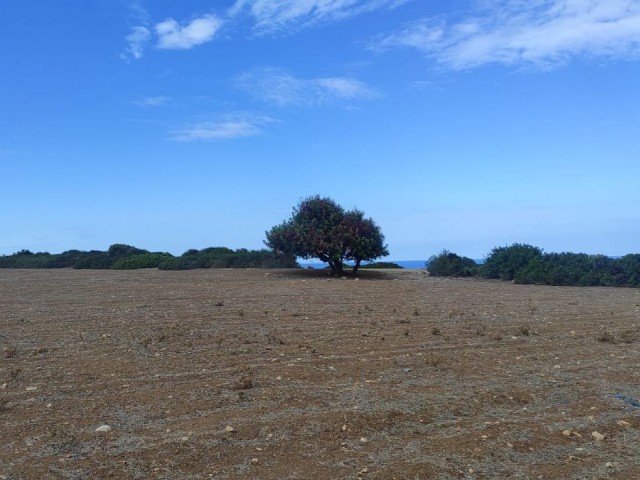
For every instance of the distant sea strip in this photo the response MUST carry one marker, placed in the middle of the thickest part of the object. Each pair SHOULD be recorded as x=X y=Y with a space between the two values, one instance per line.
x=403 y=263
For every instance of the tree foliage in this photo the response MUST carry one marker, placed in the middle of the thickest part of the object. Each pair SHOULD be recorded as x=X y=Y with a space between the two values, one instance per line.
x=320 y=228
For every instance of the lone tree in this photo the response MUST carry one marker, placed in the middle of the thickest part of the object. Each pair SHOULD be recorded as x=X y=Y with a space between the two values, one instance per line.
x=320 y=228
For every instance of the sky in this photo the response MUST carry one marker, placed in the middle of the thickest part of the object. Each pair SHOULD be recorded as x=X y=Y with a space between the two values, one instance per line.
x=459 y=125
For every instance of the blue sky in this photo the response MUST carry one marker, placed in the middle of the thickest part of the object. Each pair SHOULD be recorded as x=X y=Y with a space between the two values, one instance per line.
x=454 y=124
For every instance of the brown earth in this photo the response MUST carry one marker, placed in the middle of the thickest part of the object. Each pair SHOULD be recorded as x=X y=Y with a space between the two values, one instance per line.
x=392 y=375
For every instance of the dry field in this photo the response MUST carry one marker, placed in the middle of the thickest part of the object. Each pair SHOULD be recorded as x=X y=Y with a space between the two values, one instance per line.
x=294 y=375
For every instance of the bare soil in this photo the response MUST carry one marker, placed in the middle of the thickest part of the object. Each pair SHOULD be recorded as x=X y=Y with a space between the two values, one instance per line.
x=294 y=375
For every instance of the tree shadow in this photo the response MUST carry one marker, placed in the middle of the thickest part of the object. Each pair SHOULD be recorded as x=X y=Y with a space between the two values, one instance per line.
x=362 y=274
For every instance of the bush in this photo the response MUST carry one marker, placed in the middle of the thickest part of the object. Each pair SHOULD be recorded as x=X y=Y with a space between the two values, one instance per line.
x=145 y=260
x=628 y=272
x=380 y=265
x=448 y=264
x=505 y=262
x=221 y=257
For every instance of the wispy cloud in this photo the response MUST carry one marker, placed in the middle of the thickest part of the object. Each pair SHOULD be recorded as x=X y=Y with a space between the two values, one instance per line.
x=136 y=42
x=173 y=36
x=169 y=34
x=277 y=87
x=148 y=102
x=224 y=128
x=273 y=16
x=540 y=33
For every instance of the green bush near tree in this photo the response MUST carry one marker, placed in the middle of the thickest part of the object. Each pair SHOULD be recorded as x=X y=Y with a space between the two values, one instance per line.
x=448 y=264
x=505 y=262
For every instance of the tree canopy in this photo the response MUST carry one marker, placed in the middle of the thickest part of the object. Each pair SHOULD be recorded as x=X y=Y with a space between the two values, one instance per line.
x=320 y=228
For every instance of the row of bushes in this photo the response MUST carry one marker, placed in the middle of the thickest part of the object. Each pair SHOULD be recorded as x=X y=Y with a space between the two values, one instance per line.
x=221 y=257
x=126 y=257
x=523 y=263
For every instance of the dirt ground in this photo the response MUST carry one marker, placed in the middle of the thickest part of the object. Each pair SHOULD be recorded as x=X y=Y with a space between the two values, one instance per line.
x=291 y=374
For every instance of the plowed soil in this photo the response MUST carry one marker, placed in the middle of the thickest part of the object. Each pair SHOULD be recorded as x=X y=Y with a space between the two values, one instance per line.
x=290 y=374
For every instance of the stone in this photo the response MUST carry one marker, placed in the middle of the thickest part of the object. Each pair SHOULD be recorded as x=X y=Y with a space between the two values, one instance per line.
x=598 y=436
x=103 y=429
x=229 y=429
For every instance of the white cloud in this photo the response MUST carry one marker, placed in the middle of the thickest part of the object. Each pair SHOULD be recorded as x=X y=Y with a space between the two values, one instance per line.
x=173 y=36
x=137 y=41
x=280 y=88
x=228 y=127
x=542 y=33
x=158 y=101
x=272 y=16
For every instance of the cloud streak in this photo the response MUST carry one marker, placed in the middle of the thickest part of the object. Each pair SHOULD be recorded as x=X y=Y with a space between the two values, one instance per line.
x=173 y=36
x=275 y=16
x=539 y=33
x=169 y=34
x=137 y=41
x=277 y=87
x=225 y=128
x=150 y=102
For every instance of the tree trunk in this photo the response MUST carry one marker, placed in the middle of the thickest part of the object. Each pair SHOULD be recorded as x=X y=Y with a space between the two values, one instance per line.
x=356 y=266
x=334 y=268
x=338 y=265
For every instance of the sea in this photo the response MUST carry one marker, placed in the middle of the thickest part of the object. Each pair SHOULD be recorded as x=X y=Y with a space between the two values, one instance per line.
x=416 y=264
x=402 y=263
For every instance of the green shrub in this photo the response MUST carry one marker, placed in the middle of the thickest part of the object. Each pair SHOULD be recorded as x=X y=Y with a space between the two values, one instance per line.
x=145 y=260
x=380 y=265
x=505 y=262
x=222 y=257
x=448 y=264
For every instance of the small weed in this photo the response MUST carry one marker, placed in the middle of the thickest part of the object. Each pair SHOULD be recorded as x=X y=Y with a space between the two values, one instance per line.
x=606 y=337
x=4 y=405
x=416 y=313
x=435 y=362
x=218 y=304
x=245 y=383
x=241 y=313
x=436 y=331
x=10 y=352
x=629 y=336
x=524 y=330
x=406 y=332
x=13 y=374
